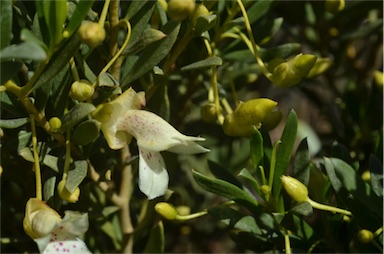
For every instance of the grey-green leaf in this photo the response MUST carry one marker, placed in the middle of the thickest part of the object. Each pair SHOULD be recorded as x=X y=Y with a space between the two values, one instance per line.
x=208 y=62
x=23 y=51
x=13 y=123
x=76 y=175
x=76 y=114
x=5 y=22
x=153 y=54
x=228 y=190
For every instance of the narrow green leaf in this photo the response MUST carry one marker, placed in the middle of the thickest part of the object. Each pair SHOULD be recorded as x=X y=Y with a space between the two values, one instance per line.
x=153 y=54
x=376 y=172
x=258 y=10
x=301 y=163
x=204 y=23
x=42 y=25
x=86 y=132
x=228 y=190
x=257 y=150
x=235 y=219
x=208 y=62
x=76 y=114
x=49 y=188
x=284 y=152
x=51 y=162
x=303 y=208
x=28 y=36
x=79 y=15
x=156 y=241
x=23 y=51
x=58 y=61
x=55 y=13
x=247 y=175
x=13 y=123
x=223 y=173
x=76 y=175
x=5 y=23
x=343 y=176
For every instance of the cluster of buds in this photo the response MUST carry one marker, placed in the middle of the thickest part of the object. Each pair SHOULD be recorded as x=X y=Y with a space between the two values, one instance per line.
x=248 y=115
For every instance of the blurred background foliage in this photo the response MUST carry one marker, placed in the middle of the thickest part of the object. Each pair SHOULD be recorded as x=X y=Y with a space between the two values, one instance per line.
x=340 y=113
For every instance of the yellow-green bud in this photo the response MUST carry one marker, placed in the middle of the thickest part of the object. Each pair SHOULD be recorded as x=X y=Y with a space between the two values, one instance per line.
x=81 y=90
x=265 y=189
x=334 y=6
x=321 y=66
x=365 y=236
x=208 y=112
x=91 y=33
x=246 y=116
x=366 y=176
x=166 y=210
x=284 y=76
x=66 y=195
x=39 y=218
x=295 y=189
x=55 y=124
x=379 y=78
x=183 y=210
x=199 y=11
x=302 y=64
x=180 y=9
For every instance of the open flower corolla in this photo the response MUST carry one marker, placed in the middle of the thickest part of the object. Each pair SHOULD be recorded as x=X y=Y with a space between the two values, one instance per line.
x=123 y=119
x=52 y=233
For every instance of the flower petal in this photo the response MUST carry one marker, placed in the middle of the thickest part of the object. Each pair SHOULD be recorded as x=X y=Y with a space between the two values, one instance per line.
x=112 y=112
x=60 y=241
x=154 y=133
x=153 y=177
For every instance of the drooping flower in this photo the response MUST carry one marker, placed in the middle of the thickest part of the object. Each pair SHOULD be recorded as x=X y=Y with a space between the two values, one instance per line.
x=52 y=233
x=123 y=119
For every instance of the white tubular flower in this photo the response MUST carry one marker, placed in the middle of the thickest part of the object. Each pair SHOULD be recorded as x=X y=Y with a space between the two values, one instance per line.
x=52 y=233
x=153 y=135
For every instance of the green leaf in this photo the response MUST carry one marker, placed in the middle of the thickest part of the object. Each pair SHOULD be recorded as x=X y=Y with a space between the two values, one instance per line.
x=55 y=13
x=28 y=36
x=266 y=29
x=78 y=15
x=13 y=123
x=228 y=190
x=156 y=241
x=282 y=51
x=258 y=10
x=257 y=150
x=86 y=132
x=235 y=219
x=76 y=114
x=208 y=62
x=49 y=188
x=247 y=175
x=376 y=172
x=303 y=208
x=223 y=173
x=204 y=23
x=58 y=61
x=284 y=152
x=344 y=177
x=301 y=163
x=76 y=175
x=23 y=51
x=5 y=23
x=153 y=54
x=106 y=79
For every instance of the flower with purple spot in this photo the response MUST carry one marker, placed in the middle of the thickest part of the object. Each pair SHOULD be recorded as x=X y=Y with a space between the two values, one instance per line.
x=52 y=233
x=122 y=119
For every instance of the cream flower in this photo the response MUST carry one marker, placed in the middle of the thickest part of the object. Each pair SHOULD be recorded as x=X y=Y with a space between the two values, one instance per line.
x=122 y=119
x=52 y=233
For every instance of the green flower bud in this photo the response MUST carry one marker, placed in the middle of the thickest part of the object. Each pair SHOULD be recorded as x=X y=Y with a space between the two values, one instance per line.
x=321 y=65
x=365 y=236
x=66 y=195
x=91 y=33
x=284 y=76
x=366 y=176
x=55 y=124
x=166 y=210
x=302 y=64
x=265 y=189
x=81 y=90
x=199 y=11
x=334 y=6
x=295 y=189
x=208 y=112
x=241 y=122
x=180 y=9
